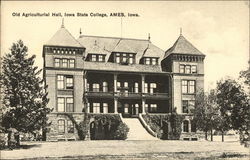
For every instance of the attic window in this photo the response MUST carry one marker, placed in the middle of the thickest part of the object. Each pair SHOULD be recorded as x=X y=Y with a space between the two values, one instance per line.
x=150 y=61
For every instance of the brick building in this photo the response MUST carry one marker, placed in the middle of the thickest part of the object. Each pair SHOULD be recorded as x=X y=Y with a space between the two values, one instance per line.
x=110 y=75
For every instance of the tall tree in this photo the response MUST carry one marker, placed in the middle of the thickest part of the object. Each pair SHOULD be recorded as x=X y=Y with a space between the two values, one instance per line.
x=24 y=95
x=205 y=112
x=234 y=106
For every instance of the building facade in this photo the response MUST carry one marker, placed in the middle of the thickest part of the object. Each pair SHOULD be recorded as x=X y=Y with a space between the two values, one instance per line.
x=110 y=75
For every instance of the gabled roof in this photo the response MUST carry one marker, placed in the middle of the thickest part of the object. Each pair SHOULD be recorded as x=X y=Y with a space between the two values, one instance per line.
x=63 y=38
x=112 y=44
x=152 y=51
x=122 y=46
x=182 y=46
x=96 y=49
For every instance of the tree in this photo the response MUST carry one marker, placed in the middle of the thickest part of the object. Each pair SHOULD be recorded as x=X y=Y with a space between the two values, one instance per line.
x=24 y=95
x=234 y=106
x=205 y=112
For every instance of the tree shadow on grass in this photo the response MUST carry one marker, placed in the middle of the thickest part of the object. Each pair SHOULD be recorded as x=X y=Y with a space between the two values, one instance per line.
x=29 y=146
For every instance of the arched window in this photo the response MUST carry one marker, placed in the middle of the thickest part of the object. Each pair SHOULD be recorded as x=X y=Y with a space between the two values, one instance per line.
x=61 y=126
x=185 y=126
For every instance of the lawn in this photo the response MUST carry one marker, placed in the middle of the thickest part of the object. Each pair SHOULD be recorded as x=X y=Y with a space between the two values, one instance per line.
x=126 y=150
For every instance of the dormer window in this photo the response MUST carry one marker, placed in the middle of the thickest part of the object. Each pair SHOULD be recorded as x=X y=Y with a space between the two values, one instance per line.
x=150 y=61
x=124 y=58
x=93 y=58
x=96 y=58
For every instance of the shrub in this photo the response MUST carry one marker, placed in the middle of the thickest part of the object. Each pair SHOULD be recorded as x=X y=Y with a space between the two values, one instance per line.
x=156 y=124
x=2 y=141
x=121 y=132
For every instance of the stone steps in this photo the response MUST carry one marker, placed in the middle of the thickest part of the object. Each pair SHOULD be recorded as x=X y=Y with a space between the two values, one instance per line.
x=136 y=130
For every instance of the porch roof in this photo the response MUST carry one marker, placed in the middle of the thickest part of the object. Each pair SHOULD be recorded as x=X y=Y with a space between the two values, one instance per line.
x=108 y=66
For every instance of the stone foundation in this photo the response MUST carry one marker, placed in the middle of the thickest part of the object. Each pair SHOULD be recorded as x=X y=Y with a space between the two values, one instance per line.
x=53 y=130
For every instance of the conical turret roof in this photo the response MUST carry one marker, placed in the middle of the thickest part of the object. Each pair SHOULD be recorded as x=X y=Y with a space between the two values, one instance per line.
x=63 y=38
x=182 y=46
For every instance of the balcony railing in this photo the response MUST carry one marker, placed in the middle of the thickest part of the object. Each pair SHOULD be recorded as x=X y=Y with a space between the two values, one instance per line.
x=128 y=95
x=156 y=95
x=99 y=94
x=125 y=95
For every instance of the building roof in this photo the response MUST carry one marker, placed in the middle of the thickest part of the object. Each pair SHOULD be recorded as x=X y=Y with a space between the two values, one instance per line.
x=96 y=49
x=109 y=66
x=63 y=38
x=117 y=44
x=152 y=51
x=182 y=46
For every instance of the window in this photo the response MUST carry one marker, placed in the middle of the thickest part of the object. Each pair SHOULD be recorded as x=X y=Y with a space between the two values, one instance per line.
x=124 y=58
x=57 y=62
x=194 y=69
x=118 y=58
x=136 y=87
x=105 y=107
x=185 y=126
x=126 y=106
x=105 y=87
x=147 y=61
x=69 y=82
x=87 y=87
x=153 y=61
x=153 y=107
x=191 y=87
x=64 y=63
x=184 y=106
x=125 y=84
x=118 y=84
x=146 y=87
x=93 y=58
x=96 y=87
x=69 y=105
x=96 y=107
x=188 y=106
x=131 y=60
x=61 y=126
x=70 y=127
x=184 y=86
x=101 y=58
x=71 y=63
x=187 y=69
x=60 y=82
x=193 y=126
x=146 y=108
x=182 y=68
x=152 y=87
x=60 y=105
x=191 y=105
x=188 y=86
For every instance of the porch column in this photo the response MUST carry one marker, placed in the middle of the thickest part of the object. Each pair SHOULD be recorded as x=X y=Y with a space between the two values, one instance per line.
x=143 y=91
x=115 y=105
x=115 y=83
x=142 y=83
x=143 y=106
x=85 y=82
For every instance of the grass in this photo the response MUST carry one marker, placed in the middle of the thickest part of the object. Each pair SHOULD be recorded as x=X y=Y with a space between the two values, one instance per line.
x=129 y=150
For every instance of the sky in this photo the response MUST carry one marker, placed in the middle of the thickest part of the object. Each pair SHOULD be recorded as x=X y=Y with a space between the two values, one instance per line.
x=219 y=29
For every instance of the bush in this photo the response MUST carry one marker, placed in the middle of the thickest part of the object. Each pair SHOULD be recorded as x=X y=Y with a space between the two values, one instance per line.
x=156 y=123
x=3 y=141
x=121 y=132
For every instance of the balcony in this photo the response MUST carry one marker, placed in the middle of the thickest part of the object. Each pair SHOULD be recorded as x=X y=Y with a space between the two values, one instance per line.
x=99 y=94
x=156 y=95
x=127 y=95
x=130 y=95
